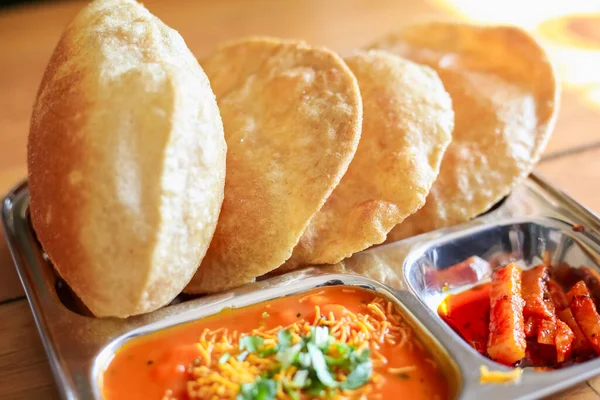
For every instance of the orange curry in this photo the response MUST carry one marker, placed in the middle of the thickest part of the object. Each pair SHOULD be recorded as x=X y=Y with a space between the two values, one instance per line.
x=332 y=342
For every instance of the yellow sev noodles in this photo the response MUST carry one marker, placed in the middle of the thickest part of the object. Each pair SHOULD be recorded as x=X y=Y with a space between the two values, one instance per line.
x=379 y=323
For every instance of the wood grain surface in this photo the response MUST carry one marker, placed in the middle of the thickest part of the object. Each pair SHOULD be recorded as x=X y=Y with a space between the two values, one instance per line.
x=28 y=35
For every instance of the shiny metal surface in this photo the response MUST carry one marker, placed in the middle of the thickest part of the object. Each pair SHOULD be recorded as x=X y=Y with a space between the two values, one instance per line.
x=535 y=218
x=523 y=241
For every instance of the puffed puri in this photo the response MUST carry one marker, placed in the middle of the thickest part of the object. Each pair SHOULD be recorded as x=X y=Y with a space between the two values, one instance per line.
x=126 y=160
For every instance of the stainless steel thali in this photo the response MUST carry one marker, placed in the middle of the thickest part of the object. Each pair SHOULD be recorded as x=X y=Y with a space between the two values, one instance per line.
x=536 y=219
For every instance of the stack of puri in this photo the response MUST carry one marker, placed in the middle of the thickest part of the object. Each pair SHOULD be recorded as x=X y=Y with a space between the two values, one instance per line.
x=151 y=174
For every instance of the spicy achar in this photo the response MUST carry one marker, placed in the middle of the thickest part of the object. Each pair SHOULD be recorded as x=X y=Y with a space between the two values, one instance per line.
x=544 y=317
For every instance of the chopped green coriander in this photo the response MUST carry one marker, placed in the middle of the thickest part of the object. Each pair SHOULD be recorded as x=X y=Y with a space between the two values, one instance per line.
x=291 y=392
x=304 y=360
x=300 y=378
x=358 y=358
x=320 y=337
x=316 y=390
x=251 y=343
x=284 y=337
x=267 y=351
x=288 y=355
x=320 y=366
x=315 y=364
x=242 y=356
x=223 y=359
x=261 y=389
x=359 y=376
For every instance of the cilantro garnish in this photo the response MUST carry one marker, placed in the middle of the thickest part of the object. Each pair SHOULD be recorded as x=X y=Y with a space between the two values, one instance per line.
x=300 y=379
x=284 y=337
x=320 y=337
x=288 y=356
x=320 y=366
x=317 y=358
x=261 y=389
x=359 y=376
x=242 y=356
x=291 y=392
x=223 y=359
x=251 y=343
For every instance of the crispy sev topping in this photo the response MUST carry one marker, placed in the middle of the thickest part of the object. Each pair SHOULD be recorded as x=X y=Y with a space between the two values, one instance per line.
x=487 y=376
x=320 y=355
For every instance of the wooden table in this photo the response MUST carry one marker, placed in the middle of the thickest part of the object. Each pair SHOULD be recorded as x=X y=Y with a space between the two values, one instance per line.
x=29 y=34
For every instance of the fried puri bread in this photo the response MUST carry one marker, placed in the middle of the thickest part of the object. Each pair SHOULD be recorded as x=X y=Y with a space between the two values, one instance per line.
x=407 y=126
x=292 y=115
x=505 y=98
x=126 y=160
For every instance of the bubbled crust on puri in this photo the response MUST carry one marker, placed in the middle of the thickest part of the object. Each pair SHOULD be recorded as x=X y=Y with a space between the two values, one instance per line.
x=126 y=160
x=407 y=125
x=292 y=115
x=505 y=98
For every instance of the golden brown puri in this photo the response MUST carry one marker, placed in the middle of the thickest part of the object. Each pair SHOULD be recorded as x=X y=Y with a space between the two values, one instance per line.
x=126 y=159
x=292 y=115
x=407 y=125
x=505 y=98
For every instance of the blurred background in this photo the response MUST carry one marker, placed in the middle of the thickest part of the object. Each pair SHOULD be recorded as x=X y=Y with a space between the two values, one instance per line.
x=8 y=3
x=570 y=30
